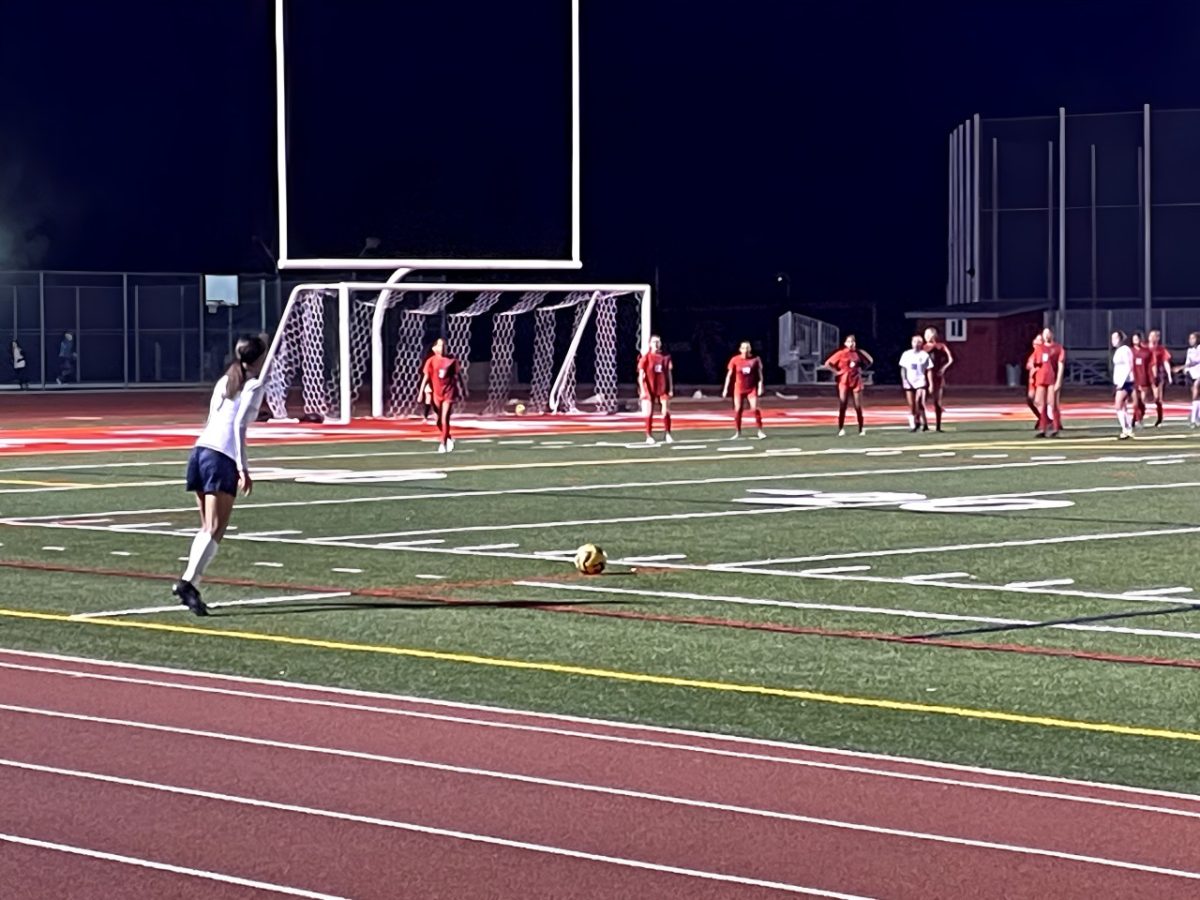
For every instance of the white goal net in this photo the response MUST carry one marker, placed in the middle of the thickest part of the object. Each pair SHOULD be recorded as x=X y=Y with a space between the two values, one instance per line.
x=352 y=349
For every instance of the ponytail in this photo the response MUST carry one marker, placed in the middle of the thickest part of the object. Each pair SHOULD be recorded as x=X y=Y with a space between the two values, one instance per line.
x=248 y=351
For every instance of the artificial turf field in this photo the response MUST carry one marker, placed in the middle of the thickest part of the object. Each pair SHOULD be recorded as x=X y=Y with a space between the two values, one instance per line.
x=757 y=588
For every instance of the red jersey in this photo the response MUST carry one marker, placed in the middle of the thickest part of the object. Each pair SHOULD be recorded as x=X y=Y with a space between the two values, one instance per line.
x=656 y=371
x=848 y=366
x=1160 y=358
x=1143 y=363
x=1046 y=362
x=747 y=373
x=442 y=372
x=939 y=355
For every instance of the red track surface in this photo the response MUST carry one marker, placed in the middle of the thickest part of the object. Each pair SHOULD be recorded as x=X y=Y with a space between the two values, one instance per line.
x=351 y=795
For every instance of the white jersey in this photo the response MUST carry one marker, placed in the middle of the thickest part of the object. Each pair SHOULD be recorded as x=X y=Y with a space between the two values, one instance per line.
x=1191 y=365
x=225 y=430
x=913 y=366
x=1122 y=366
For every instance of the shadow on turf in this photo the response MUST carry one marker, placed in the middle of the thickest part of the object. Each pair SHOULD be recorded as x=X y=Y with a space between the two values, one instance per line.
x=314 y=606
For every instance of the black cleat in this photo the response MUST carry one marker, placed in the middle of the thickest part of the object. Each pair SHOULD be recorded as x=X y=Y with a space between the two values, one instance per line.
x=189 y=597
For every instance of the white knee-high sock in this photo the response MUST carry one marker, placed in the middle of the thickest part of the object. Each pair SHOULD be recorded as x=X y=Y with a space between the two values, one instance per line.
x=204 y=548
x=1122 y=418
x=1196 y=411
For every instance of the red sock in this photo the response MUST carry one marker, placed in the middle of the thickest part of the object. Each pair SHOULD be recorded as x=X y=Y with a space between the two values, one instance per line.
x=445 y=426
x=758 y=418
x=649 y=424
x=737 y=420
x=667 y=422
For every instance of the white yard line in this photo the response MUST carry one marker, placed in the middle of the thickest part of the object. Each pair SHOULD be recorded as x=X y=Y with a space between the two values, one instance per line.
x=886 y=611
x=219 y=604
x=1159 y=592
x=1048 y=582
x=555 y=489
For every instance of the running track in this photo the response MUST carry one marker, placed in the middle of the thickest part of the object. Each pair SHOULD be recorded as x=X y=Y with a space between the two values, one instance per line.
x=126 y=781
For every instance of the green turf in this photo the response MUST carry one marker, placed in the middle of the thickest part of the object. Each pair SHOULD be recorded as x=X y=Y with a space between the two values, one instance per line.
x=674 y=502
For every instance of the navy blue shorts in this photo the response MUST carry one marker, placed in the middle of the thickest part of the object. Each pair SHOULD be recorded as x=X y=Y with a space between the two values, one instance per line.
x=211 y=472
x=1127 y=387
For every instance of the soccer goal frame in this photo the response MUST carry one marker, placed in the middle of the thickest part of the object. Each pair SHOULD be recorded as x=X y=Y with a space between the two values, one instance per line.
x=284 y=261
x=332 y=364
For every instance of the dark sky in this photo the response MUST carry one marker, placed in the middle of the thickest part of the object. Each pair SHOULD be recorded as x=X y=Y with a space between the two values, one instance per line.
x=723 y=141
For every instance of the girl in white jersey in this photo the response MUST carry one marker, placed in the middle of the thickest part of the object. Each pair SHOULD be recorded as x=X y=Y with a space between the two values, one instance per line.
x=218 y=464
x=1122 y=363
x=914 y=366
x=1191 y=368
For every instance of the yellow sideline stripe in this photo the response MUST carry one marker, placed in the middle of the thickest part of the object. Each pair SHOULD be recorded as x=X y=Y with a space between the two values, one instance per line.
x=636 y=677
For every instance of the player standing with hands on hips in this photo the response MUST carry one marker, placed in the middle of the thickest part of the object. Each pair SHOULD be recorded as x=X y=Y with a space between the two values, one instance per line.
x=942 y=359
x=442 y=375
x=745 y=373
x=656 y=384
x=218 y=464
x=848 y=364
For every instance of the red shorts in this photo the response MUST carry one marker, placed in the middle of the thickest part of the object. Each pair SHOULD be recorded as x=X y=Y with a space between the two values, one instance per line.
x=853 y=385
x=448 y=397
x=738 y=395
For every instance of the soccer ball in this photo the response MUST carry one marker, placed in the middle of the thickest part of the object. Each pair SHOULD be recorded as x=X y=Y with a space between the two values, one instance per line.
x=519 y=409
x=590 y=559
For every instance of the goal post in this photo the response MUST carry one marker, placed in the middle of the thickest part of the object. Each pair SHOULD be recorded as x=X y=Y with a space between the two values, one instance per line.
x=533 y=341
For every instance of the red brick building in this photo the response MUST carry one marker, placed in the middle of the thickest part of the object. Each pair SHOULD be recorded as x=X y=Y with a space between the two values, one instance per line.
x=984 y=337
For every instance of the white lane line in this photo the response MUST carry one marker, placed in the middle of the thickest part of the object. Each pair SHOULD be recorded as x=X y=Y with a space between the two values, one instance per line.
x=490 y=547
x=1046 y=458
x=179 y=607
x=167 y=867
x=662 y=557
x=269 y=565
x=400 y=545
x=1048 y=582
x=55 y=549
x=934 y=455
x=547 y=849
x=989 y=456
x=431 y=577
x=120 y=553
x=1160 y=592
x=283 y=532
x=884 y=452
x=346 y=571
x=1163 y=462
x=205 y=683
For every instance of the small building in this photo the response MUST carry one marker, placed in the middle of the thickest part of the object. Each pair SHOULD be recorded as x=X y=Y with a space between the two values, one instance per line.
x=984 y=337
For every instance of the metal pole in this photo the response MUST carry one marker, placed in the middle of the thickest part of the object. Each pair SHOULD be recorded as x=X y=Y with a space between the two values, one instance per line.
x=182 y=334
x=975 y=214
x=42 y=322
x=1095 y=276
x=1146 y=243
x=137 y=333
x=950 y=221
x=262 y=304
x=957 y=217
x=125 y=328
x=1050 y=221
x=201 y=312
x=1140 y=249
x=78 y=341
x=995 y=219
x=1062 y=224
x=964 y=174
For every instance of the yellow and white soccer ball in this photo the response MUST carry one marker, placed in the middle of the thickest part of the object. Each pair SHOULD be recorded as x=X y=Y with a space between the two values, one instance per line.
x=590 y=559
x=519 y=409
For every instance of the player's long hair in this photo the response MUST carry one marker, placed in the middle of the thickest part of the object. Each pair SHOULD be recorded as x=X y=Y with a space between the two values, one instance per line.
x=248 y=351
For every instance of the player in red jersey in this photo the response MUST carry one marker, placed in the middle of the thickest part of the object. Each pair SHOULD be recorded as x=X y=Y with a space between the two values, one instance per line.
x=745 y=373
x=1031 y=368
x=1051 y=362
x=1143 y=362
x=442 y=375
x=1160 y=371
x=848 y=364
x=942 y=359
x=656 y=384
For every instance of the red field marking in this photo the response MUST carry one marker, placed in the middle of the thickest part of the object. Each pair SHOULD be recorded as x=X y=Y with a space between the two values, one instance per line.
x=159 y=421
x=824 y=820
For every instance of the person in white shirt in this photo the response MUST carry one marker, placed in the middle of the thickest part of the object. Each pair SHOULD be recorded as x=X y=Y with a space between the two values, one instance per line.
x=1122 y=363
x=914 y=368
x=19 y=366
x=218 y=466
x=1191 y=368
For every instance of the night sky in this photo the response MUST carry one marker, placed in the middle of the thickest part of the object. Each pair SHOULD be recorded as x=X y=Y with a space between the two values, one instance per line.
x=723 y=142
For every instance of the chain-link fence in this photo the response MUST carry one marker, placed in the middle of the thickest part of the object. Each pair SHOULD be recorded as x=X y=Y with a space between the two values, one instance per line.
x=1097 y=216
